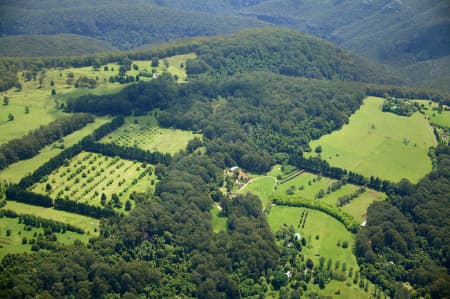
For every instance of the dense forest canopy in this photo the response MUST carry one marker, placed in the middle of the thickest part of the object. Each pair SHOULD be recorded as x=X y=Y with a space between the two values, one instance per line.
x=258 y=97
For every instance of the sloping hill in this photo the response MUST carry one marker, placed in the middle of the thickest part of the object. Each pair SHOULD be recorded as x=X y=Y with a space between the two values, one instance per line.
x=286 y=52
x=124 y=26
x=393 y=31
x=51 y=45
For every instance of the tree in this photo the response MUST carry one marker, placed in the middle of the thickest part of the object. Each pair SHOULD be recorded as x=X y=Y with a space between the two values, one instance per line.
x=279 y=279
x=53 y=92
x=318 y=149
x=48 y=188
x=155 y=62
x=5 y=101
x=103 y=199
x=10 y=117
x=27 y=109
x=127 y=205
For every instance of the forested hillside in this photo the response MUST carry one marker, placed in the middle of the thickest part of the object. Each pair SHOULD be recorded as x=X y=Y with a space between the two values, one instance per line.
x=398 y=33
x=51 y=45
x=122 y=26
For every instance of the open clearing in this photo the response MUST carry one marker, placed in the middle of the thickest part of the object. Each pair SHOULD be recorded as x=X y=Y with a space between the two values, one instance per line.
x=219 y=222
x=436 y=118
x=36 y=92
x=13 y=242
x=88 y=175
x=323 y=234
x=380 y=144
x=88 y=224
x=143 y=132
x=14 y=172
x=329 y=230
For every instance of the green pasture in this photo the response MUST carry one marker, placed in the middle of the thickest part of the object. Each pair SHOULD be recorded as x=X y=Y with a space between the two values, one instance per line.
x=263 y=187
x=18 y=170
x=13 y=242
x=358 y=206
x=380 y=144
x=36 y=93
x=88 y=175
x=329 y=230
x=143 y=132
x=346 y=290
x=88 y=224
x=219 y=222
x=436 y=118
x=306 y=185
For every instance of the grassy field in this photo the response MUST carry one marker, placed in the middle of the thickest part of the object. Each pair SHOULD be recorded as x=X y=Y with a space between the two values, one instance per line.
x=143 y=132
x=89 y=175
x=263 y=187
x=358 y=207
x=329 y=230
x=19 y=169
x=380 y=144
x=431 y=112
x=219 y=222
x=13 y=242
x=323 y=233
x=36 y=93
x=88 y=224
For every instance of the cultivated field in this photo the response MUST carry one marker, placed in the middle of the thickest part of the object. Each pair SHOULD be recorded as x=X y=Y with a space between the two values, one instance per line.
x=380 y=144
x=87 y=176
x=143 y=132
x=14 y=172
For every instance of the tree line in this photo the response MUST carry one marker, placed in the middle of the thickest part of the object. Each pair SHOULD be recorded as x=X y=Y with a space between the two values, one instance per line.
x=36 y=221
x=29 y=145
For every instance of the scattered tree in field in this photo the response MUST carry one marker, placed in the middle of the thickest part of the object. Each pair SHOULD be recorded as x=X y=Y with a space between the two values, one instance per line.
x=318 y=149
x=10 y=117
x=5 y=101
x=155 y=62
x=48 y=187
x=127 y=205
x=53 y=92
x=52 y=83
x=27 y=109
x=103 y=199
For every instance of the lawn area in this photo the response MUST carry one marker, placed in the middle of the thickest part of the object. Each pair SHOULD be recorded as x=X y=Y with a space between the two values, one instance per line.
x=306 y=185
x=358 y=207
x=262 y=187
x=143 y=132
x=88 y=175
x=88 y=224
x=13 y=242
x=18 y=170
x=380 y=144
x=329 y=230
x=219 y=222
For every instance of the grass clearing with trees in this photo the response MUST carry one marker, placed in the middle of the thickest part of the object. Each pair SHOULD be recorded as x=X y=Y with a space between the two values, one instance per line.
x=380 y=144
x=88 y=224
x=143 y=132
x=324 y=240
x=14 y=172
x=99 y=180
x=40 y=96
x=14 y=238
x=219 y=221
